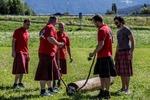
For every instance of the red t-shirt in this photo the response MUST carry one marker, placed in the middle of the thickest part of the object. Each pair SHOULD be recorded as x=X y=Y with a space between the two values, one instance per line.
x=63 y=37
x=21 y=44
x=45 y=46
x=105 y=34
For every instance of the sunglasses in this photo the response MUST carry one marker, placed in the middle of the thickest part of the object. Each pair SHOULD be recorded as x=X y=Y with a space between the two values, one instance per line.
x=116 y=23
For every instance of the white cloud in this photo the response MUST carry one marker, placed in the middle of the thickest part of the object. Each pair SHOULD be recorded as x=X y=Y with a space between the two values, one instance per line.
x=127 y=1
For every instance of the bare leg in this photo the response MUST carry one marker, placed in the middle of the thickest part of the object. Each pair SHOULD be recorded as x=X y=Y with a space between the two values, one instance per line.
x=49 y=84
x=127 y=80
x=42 y=84
x=20 y=78
x=102 y=83
x=107 y=83
x=16 y=78
x=123 y=82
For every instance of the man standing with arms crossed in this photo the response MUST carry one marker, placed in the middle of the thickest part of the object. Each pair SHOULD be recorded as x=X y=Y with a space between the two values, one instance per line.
x=20 y=53
x=47 y=69
x=104 y=65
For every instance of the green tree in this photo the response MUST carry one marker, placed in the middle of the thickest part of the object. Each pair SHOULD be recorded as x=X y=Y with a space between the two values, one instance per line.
x=114 y=8
x=145 y=10
x=3 y=7
x=11 y=7
x=15 y=7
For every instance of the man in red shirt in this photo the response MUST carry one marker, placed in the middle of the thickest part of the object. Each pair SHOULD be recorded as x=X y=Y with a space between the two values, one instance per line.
x=20 y=53
x=61 y=53
x=47 y=69
x=104 y=65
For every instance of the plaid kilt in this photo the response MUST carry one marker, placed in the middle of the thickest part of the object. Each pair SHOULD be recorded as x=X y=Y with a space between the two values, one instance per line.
x=20 y=64
x=105 y=67
x=123 y=65
x=47 y=68
x=62 y=66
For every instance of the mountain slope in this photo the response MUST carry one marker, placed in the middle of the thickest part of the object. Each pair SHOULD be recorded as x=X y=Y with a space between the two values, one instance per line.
x=76 y=6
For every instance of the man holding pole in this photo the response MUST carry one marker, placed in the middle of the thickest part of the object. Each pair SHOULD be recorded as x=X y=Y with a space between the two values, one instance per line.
x=104 y=65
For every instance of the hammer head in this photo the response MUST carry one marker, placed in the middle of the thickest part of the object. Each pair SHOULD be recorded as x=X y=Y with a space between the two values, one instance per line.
x=89 y=58
x=70 y=90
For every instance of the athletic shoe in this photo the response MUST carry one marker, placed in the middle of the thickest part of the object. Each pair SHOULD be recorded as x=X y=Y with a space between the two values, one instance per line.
x=15 y=86
x=50 y=90
x=127 y=92
x=21 y=85
x=45 y=94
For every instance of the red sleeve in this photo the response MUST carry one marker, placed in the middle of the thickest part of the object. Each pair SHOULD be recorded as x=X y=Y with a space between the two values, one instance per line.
x=15 y=34
x=67 y=41
x=101 y=35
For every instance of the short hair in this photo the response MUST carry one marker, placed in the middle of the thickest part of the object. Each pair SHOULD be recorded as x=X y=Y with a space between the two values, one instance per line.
x=26 y=20
x=52 y=19
x=61 y=23
x=120 y=19
x=98 y=18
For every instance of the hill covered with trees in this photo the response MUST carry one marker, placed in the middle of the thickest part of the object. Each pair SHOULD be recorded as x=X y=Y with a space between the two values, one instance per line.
x=15 y=7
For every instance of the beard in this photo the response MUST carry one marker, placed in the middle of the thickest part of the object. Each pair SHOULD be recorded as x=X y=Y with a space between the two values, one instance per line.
x=118 y=26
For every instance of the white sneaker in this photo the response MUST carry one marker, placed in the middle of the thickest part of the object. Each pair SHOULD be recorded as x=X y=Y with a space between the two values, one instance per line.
x=45 y=94
x=127 y=92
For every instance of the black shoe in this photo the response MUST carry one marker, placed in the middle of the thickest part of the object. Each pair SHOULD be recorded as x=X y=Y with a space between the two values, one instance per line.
x=101 y=94
x=21 y=85
x=106 y=95
x=15 y=86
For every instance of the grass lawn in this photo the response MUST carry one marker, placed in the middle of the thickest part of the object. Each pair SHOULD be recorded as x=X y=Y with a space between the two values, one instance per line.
x=82 y=44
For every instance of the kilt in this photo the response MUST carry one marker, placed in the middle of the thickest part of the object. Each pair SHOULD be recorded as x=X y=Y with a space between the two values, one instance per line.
x=105 y=67
x=62 y=66
x=123 y=64
x=20 y=64
x=47 y=69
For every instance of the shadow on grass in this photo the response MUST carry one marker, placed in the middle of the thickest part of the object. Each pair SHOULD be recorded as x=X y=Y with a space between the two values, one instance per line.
x=19 y=89
x=29 y=96
x=5 y=87
x=79 y=96
x=9 y=90
x=116 y=93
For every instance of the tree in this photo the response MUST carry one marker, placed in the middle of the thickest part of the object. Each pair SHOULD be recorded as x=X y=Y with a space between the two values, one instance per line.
x=3 y=7
x=145 y=10
x=15 y=7
x=114 y=8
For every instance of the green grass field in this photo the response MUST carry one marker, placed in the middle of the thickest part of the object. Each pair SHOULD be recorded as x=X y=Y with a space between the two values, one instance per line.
x=82 y=42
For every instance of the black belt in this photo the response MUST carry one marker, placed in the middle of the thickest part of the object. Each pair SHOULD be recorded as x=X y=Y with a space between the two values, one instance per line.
x=124 y=49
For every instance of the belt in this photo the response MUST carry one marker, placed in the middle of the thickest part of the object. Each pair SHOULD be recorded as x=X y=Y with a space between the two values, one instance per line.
x=124 y=49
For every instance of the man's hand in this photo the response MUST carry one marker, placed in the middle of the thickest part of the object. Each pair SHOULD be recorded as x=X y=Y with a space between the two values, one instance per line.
x=71 y=59
x=91 y=55
x=14 y=54
x=60 y=44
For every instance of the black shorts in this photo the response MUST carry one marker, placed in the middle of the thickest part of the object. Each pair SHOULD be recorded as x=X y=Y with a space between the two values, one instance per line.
x=105 y=67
